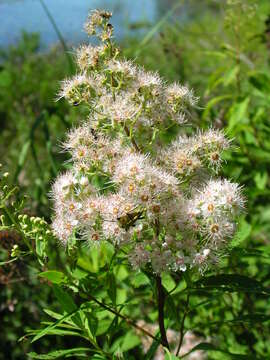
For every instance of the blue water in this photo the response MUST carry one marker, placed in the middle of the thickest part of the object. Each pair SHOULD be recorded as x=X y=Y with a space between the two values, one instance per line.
x=69 y=15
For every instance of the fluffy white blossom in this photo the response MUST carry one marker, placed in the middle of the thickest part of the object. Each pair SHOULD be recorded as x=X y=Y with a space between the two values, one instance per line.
x=160 y=202
x=90 y=57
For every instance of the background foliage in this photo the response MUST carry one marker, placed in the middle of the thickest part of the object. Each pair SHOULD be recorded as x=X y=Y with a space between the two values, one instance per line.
x=223 y=53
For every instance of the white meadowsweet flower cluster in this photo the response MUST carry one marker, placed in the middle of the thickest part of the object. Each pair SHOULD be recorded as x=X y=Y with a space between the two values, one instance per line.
x=123 y=185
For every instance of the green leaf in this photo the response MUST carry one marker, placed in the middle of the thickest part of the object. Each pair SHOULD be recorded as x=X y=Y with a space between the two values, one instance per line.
x=260 y=81
x=103 y=326
x=219 y=54
x=130 y=341
x=56 y=277
x=210 y=347
x=139 y=279
x=53 y=314
x=59 y=353
x=168 y=282
x=111 y=284
x=261 y=179
x=5 y=78
x=243 y=232
x=171 y=308
x=67 y=303
x=45 y=331
x=230 y=75
x=65 y=299
x=238 y=114
x=153 y=348
x=170 y=356
x=126 y=342
x=22 y=158
x=213 y=102
x=58 y=332
x=98 y=357
x=91 y=321
x=249 y=318
x=231 y=283
x=259 y=154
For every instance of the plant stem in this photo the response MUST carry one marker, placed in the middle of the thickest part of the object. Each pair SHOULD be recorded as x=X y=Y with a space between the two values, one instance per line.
x=60 y=36
x=131 y=138
x=181 y=338
x=17 y=227
x=161 y=303
x=127 y=320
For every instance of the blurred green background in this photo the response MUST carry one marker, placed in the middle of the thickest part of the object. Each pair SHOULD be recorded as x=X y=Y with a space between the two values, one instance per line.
x=219 y=48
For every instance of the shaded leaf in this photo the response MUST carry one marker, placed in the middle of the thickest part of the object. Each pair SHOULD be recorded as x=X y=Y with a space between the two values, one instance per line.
x=210 y=347
x=213 y=102
x=59 y=353
x=231 y=283
x=153 y=348
x=249 y=318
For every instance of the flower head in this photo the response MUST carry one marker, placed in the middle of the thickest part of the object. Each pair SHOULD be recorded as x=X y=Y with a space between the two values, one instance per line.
x=124 y=185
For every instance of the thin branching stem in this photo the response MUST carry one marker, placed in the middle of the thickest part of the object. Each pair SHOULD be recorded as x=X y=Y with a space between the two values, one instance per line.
x=127 y=131
x=181 y=336
x=121 y=316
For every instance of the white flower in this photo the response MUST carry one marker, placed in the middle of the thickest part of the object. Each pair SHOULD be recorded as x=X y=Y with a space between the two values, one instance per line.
x=88 y=56
x=160 y=202
x=84 y=181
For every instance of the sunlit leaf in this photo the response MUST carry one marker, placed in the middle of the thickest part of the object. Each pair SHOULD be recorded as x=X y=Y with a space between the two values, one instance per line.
x=56 y=277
